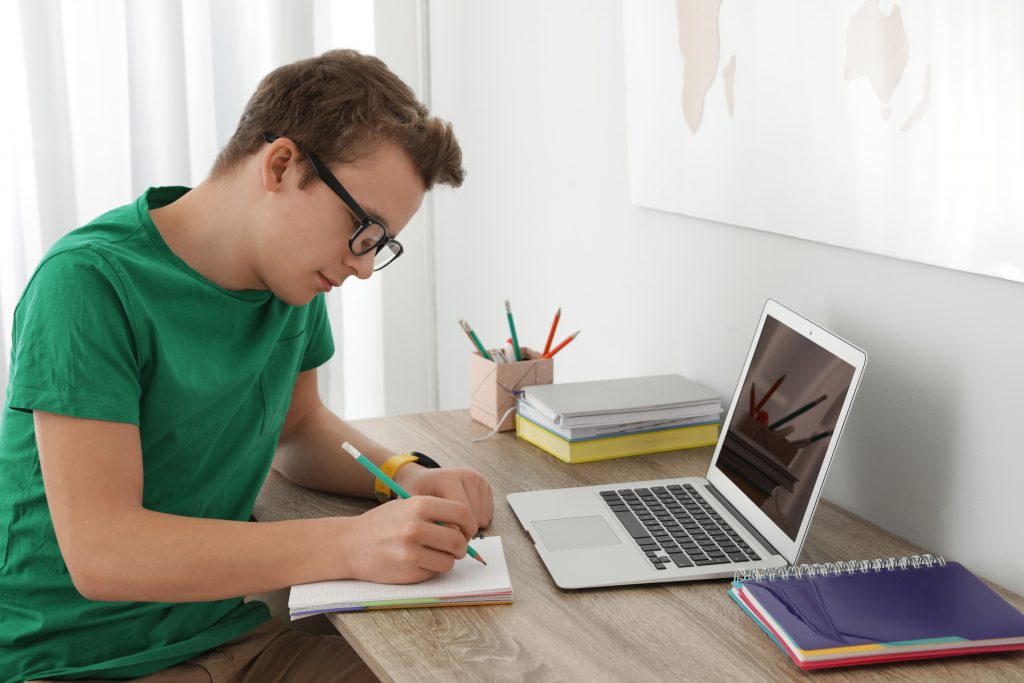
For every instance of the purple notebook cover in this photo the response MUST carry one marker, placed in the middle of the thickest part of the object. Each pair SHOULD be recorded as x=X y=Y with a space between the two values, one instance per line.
x=887 y=606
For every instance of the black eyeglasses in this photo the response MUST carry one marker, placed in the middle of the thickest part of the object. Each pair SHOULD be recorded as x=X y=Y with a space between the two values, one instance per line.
x=371 y=235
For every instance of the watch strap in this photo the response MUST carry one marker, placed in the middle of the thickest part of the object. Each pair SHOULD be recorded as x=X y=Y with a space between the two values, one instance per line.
x=389 y=467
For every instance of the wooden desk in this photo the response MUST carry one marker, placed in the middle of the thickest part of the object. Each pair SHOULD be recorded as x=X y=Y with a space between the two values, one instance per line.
x=664 y=632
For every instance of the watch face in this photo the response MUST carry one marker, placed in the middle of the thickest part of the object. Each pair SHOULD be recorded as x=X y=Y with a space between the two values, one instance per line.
x=425 y=460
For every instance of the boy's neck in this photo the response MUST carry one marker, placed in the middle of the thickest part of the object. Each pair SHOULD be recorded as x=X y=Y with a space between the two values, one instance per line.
x=207 y=228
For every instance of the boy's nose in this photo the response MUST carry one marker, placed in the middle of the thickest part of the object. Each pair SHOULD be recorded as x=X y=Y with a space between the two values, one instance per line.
x=364 y=265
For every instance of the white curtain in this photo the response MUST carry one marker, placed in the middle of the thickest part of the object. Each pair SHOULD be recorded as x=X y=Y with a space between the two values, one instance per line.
x=107 y=97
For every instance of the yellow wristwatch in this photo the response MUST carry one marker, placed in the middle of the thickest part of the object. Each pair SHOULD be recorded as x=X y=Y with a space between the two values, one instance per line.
x=391 y=465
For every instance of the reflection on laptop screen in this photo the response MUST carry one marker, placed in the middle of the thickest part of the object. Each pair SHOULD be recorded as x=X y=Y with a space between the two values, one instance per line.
x=791 y=398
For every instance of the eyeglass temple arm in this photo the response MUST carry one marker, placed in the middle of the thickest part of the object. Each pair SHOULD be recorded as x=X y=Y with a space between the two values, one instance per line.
x=332 y=182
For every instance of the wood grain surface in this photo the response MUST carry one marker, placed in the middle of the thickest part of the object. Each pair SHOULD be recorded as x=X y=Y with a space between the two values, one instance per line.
x=665 y=632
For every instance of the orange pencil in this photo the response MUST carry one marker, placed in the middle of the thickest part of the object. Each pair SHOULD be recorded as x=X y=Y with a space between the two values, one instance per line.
x=764 y=399
x=551 y=334
x=558 y=348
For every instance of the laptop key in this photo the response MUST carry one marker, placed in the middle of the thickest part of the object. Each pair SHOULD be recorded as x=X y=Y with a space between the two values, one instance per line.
x=704 y=563
x=632 y=524
x=681 y=560
x=738 y=557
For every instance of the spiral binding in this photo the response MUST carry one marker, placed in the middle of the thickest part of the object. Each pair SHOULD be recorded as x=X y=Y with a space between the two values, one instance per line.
x=839 y=568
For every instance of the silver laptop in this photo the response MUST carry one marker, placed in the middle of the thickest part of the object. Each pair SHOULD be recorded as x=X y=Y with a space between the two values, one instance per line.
x=754 y=506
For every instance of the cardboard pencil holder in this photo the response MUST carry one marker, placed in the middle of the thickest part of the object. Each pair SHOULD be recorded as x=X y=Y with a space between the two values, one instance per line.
x=492 y=386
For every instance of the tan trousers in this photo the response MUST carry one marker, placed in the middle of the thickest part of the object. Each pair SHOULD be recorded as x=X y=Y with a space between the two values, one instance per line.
x=270 y=653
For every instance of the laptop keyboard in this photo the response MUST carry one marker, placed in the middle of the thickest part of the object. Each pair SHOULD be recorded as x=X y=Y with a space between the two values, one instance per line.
x=675 y=525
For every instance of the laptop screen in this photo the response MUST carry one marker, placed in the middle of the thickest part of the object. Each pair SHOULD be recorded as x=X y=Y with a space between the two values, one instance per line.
x=787 y=409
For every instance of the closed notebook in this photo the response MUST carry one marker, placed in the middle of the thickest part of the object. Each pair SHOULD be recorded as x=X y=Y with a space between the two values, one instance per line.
x=468 y=583
x=879 y=611
x=621 y=400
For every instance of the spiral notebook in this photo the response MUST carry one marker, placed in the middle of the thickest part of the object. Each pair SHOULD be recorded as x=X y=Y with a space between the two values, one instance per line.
x=468 y=583
x=870 y=611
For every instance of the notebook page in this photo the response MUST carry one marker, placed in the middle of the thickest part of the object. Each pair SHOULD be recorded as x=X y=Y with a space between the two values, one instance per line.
x=468 y=577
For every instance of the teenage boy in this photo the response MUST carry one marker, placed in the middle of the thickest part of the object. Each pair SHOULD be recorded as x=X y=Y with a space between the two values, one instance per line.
x=164 y=358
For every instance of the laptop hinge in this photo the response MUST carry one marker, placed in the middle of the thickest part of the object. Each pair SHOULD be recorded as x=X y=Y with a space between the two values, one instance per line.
x=739 y=518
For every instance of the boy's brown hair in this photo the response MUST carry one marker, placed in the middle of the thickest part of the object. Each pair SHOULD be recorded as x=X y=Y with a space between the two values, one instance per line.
x=339 y=106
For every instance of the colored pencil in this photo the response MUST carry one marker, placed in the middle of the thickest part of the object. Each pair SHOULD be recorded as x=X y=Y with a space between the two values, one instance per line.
x=798 y=412
x=476 y=340
x=552 y=352
x=807 y=442
x=376 y=471
x=764 y=399
x=551 y=334
x=512 y=328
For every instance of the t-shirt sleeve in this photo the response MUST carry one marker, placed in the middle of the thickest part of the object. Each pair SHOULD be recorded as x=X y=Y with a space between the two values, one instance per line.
x=320 y=344
x=73 y=350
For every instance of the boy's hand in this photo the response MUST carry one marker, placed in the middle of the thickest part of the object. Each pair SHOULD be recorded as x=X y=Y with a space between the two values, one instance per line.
x=402 y=542
x=460 y=484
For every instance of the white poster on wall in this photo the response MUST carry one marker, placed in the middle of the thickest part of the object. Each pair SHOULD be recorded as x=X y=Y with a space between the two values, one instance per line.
x=889 y=127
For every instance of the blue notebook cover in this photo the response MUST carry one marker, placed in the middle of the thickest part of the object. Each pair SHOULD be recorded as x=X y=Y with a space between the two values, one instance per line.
x=934 y=604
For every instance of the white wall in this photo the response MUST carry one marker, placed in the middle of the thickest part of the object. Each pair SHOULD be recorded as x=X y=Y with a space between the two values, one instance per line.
x=536 y=92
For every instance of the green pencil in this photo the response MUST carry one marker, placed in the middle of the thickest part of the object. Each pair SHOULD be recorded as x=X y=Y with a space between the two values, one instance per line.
x=512 y=327
x=798 y=412
x=376 y=471
x=475 y=339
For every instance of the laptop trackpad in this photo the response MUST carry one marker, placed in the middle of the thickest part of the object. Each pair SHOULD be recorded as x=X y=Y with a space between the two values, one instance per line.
x=574 y=533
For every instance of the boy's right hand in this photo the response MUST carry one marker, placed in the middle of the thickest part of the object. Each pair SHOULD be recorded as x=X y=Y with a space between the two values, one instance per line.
x=402 y=542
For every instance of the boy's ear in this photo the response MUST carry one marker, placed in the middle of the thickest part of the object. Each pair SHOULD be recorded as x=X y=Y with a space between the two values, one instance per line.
x=279 y=157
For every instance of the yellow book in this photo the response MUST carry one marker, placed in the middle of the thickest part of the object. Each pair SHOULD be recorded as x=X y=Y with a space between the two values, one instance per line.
x=606 y=448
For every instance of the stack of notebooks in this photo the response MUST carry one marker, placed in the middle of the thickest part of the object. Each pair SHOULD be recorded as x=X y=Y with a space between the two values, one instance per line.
x=874 y=611
x=468 y=583
x=585 y=421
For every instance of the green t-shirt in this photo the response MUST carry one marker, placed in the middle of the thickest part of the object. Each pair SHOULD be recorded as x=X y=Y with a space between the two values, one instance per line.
x=113 y=326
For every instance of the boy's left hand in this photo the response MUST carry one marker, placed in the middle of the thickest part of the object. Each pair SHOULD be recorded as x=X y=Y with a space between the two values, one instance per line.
x=459 y=484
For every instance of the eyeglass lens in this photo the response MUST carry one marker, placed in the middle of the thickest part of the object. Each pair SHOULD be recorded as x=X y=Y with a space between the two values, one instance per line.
x=386 y=254
x=367 y=239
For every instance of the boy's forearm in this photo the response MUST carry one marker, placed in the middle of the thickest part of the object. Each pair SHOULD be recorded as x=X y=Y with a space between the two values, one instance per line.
x=310 y=455
x=155 y=557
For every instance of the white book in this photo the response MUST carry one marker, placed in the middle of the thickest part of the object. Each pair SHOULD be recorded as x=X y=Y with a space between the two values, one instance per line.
x=468 y=583
x=528 y=412
x=632 y=399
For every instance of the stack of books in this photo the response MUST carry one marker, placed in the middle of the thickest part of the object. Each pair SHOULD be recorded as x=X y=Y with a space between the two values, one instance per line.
x=586 y=421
